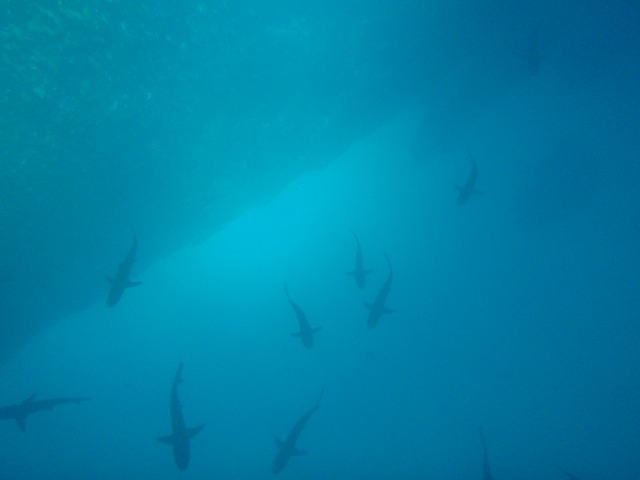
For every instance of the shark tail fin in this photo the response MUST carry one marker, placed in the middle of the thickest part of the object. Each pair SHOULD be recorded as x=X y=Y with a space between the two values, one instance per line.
x=286 y=290
x=486 y=468
x=177 y=380
x=133 y=232
x=388 y=262
x=133 y=284
x=192 y=432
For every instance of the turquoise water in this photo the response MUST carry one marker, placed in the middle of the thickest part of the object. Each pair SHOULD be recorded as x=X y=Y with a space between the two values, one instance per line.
x=241 y=143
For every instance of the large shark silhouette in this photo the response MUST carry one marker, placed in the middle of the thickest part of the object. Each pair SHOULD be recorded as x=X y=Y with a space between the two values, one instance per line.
x=306 y=332
x=287 y=448
x=181 y=435
x=377 y=308
x=359 y=272
x=121 y=281
x=20 y=412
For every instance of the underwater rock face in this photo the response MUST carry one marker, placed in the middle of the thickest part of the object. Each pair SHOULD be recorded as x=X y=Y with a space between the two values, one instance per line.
x=171 y=119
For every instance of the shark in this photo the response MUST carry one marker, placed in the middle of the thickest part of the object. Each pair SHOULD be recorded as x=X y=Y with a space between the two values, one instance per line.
x=567 y=474
x=469 y=188
x=287 y=448
x=533 y=56
x=181 y=435
x=377 y=308
x=121 y=281
x=21 y=411
x=306 y=332
x=359 y=272
x=486 y=469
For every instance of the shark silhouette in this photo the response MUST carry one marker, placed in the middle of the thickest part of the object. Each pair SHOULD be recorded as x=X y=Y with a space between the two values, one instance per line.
x=377 y=308
x=569 y=475
x=359 y=272
x=533 y=57
x=181 y=435
x=306 y=332
x=469 y=188
x=121 y=281
x=287 y=448
x=21 y=411
x=486 y=469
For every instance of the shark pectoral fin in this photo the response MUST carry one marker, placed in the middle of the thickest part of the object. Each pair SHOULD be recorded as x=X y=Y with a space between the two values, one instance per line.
x=133 y=284
x=279 y=442
x=168 y=439
x=194 y=431
x=298 y=453
x=368 y=306
x=388 y=310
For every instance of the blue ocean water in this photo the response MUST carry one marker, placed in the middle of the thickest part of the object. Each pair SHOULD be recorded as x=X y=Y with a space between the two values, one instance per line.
x=241 y=144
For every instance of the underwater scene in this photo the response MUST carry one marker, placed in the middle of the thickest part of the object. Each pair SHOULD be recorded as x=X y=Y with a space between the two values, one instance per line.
x=320 y=239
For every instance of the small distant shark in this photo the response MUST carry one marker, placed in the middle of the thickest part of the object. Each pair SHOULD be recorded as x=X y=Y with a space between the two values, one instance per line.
x=121 y=281
x=469 y=188
x=359 y=272
x=569 y=475
x=181 y=435
x=20 y=412
x=306 y=331
x=377 y=309
x=533 y=57
x=485 y=458
x=287 y=448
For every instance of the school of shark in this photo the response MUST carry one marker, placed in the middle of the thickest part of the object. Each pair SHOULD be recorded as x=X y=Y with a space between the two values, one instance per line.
x=429 y=140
